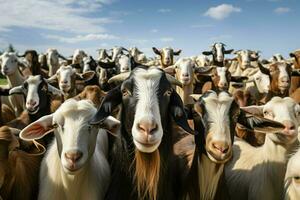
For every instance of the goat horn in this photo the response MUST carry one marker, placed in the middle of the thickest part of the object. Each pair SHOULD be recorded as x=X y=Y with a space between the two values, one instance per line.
x=119 y=77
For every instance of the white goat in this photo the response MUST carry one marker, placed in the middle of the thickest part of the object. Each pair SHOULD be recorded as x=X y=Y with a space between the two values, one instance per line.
x=75 y=166
x=258 y=172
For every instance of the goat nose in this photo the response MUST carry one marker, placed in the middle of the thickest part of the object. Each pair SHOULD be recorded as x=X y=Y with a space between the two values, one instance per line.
x=31 y=102
x=64 y=81
x=221 y=146
x=223 y=84
x=73 y=155
x=289 y=125
x=147 y=127
x=185 y=75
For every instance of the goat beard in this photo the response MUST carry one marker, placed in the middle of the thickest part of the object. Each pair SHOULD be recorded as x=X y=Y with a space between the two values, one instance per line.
x=146 y=176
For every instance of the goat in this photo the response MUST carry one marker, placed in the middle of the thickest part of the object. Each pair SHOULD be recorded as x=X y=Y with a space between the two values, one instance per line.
x=259 y=171
x=32 y=58
x=143 y=154
x=75 y=166
x=218 y=52
x=137 y=55
x=78 y=59
x=103 y=55
x=291 y=180
x=92 y=93
x=53 y=60
x=66 y=78
x=166 y=55
x=19 y=166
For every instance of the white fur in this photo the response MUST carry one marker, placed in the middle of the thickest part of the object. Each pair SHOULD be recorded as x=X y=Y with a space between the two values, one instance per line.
x=220 y=54
x=52 y=61
x=258 y=172
x=92 y=179
x=147 y=107
x=32 y=94
x=291 y=181
x=124 y=63
x=222 y=74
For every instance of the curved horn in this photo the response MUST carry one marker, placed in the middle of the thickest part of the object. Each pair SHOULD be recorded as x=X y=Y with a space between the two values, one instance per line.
x=119 y=77
x=173 y=80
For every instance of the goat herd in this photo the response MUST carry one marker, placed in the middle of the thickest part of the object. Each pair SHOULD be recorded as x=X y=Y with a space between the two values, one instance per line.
x=127 y=126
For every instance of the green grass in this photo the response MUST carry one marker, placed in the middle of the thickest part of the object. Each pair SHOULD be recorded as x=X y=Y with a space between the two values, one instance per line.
x=3 y=81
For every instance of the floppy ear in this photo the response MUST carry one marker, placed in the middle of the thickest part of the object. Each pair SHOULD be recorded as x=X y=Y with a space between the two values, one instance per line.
x=176 y=53
x=178 y=114
x=207 y=53
x=264 y=61
x=292 y=55
x=238 y=78
x=111 y=125
x=229 y=51
x=16 y=90
x=109 y=103
x=258 y=123
x=37 y=129
x=203 y=70
x=156 y=51
x=86 y=76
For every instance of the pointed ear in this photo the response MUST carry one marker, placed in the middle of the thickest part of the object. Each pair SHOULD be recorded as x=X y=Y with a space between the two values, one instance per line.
x=109 y=103
x=16 y=90
x=52 y=79
x=254 y=110
x=178 y=114
x=238 y=79
x=292 y=55
x=259 y=124
x=86 y=76
x=156 y=51
x=37 y=129
x=111 y=124
x=176 y=53
x=229 y=51
x=53 y=90
x=207 y=53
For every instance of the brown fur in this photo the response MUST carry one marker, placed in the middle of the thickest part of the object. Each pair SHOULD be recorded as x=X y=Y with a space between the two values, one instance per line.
x=19 y=169
x=295 y=82
x=147 y=168
x=93 y=93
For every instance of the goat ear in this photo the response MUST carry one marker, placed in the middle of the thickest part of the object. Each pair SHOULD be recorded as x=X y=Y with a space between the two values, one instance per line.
x=52 y=79
x=37 y=129
x=176 y=53
x=259 y=124
x=292 y=55
x=238 y=79
x=156 y=51
x=178 y=113
x=207 y=53
x=263 y=69
x=111 y=125
x=229 y=51
x=86 y=76
x=107 y=65
x=295 y=72
x=170 y=70
x=109 y=103
x=254 y=110
x=53 y=90
x=16 y=90
x=265 y=62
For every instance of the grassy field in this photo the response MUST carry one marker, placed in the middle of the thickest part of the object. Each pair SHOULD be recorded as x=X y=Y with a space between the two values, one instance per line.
x=3 y=81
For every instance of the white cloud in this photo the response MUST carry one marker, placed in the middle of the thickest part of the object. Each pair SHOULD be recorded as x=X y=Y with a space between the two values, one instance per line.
x=154 y=30
x=282 y=10
x=82 y=38
x=166 y=39
x=221 y=11
x=58 y=15
x=164 y=10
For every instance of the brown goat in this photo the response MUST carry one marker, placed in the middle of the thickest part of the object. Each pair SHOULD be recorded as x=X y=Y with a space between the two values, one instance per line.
x=295 y=82
x=19 y=166
x=93 y=93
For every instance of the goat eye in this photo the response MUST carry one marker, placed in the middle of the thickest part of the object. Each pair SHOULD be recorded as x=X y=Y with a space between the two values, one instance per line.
x=89 y=128
x=54 y=125
x=168 y=93
x=297 y=179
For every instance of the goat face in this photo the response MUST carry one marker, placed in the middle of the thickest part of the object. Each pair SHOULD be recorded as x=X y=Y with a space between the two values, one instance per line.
x=218 y=52
x=66 y=78
x=123 y=62
x=283 y=110
x=75 y=138
x=167 y=55
x=89 y=64
x=292 y=180
x=36 y=91
x=219 y=116
x=220 y=77
x=52 y=57
x=262 y=81
x=9 y=63
x=185 y=71
x=245 y=57
x=148 y=100
x=78 y=56
x=281 y=76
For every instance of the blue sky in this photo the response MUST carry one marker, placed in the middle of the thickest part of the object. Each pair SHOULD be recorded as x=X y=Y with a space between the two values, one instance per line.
x=271 y=26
